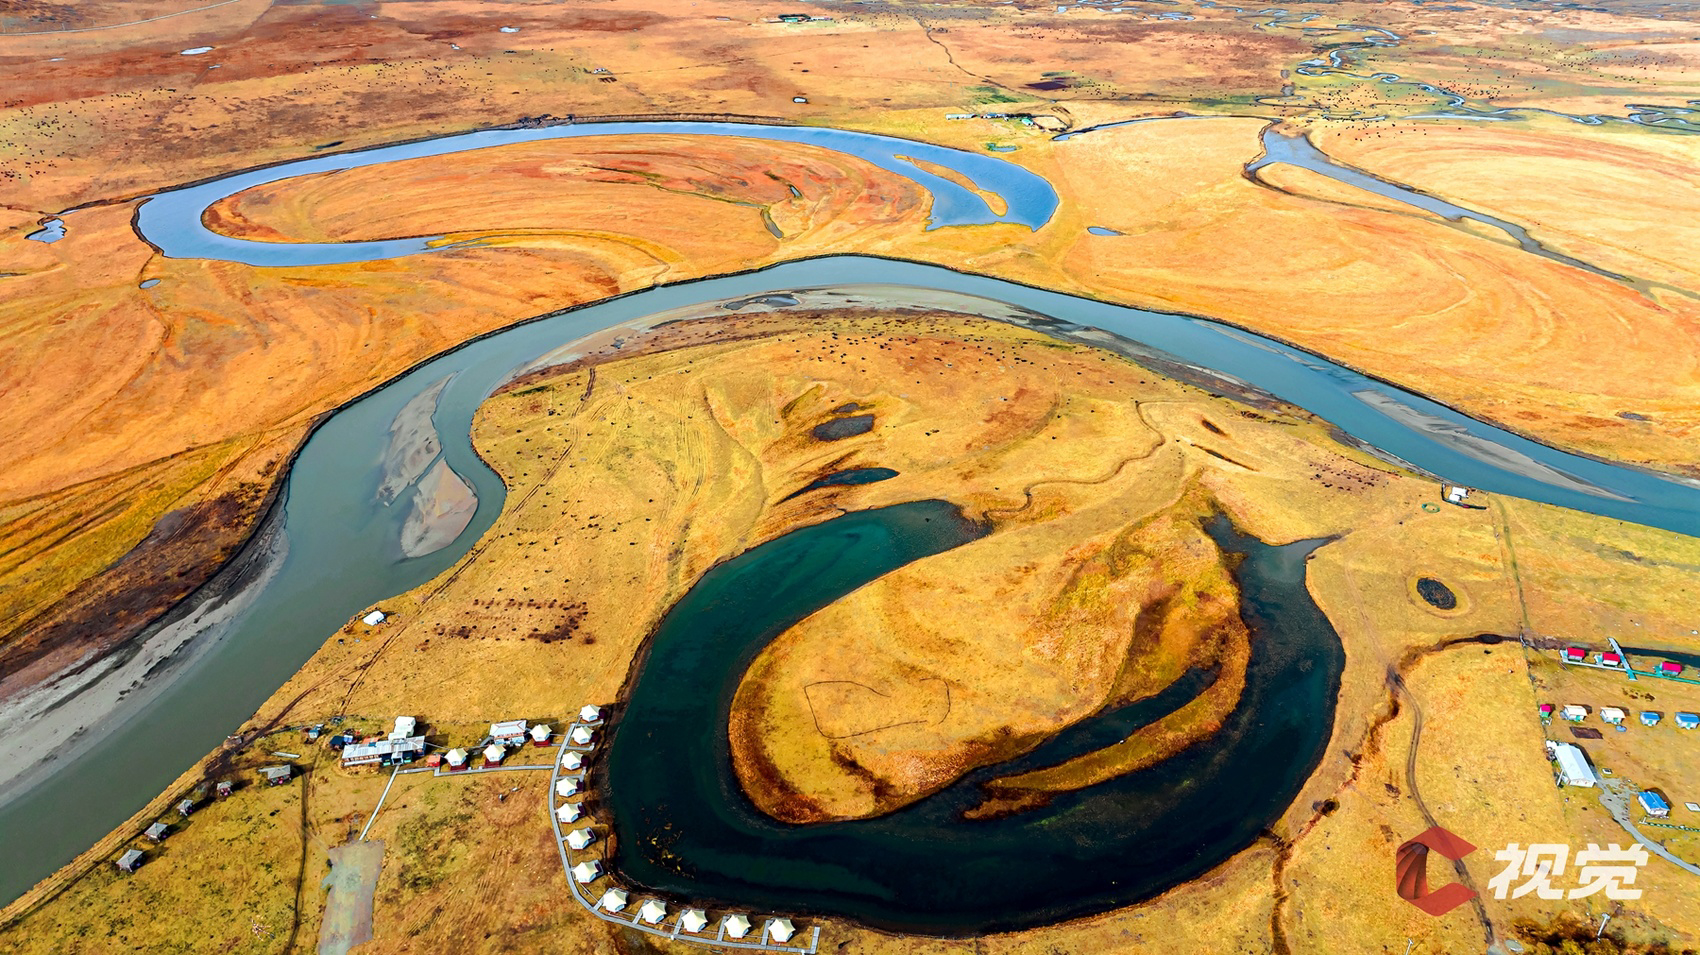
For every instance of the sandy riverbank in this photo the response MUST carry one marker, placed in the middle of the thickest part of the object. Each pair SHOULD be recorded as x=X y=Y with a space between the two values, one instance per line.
x=51 y=724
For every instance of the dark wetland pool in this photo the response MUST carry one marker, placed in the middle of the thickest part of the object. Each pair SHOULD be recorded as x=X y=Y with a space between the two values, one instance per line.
x=685 y=828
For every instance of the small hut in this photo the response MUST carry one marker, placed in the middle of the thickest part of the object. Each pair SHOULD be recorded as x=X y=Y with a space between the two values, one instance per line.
x=579 y=838
x=586 y=872
x=130 y=860
x=157 y=831
x=277 y=775
x=185 y=807
x=456 y=760
x=693 y=920
x=374 y=618
x=493 y=755
x=540 y=734
x=567 y=812
x=590 y=713
x=572 y=760
x=736 y=926
x=582 y=735
x=652 y=911
x=780 y=930
x=224 y=787
x=566 y=786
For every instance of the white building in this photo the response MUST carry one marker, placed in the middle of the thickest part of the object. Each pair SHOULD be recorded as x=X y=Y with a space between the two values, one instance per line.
x=736 y=926
x=780 y=930
x=1456 y=494
x=404 y=727
x=693 y=920
x=540 y=734
x=566 y=786
x=582 y=735
x=1575 y=712
x=586 y=872
x=508 y=732
x=456 y=758
x=579 y=838
x=590 y=713
x=572 y=760
x=493 y=755
x=613 y=900
x=1612 y=714
x=567 y=812
x=374 y=618
x=1573 y=768
x=384 y=752
x=653 y=911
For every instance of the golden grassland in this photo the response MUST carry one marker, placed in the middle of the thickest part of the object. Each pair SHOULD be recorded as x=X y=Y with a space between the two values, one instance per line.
x=145 y=428
x=632 y=470
x=118 y=389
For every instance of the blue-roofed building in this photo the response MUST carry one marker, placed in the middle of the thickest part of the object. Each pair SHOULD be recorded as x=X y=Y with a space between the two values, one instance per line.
x=1651 y=717
x=1654 y=804
x=1688 y=721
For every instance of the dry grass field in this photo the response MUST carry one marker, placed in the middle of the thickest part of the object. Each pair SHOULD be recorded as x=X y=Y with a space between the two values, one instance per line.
x=633 y=470
x=146 y=429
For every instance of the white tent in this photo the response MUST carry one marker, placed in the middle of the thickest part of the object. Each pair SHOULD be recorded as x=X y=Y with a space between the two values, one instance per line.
x=780 y=930
x=581 y=735
x=736 y=926
x=567 y=786
x=494 y=753
x=579 y=838
x=374 y=618
x=540 y=733
x=653 y=911
x=693 y=920
x=591 y=713
x=613 y=900
x=572 y=760
x=455 y=757
x=587 y=871
x=567 y=812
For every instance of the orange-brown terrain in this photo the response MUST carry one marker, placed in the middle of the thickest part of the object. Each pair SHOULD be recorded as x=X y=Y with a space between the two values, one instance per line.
x=147 y=430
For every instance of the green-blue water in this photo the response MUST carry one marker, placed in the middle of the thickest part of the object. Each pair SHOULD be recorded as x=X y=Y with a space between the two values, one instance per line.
x=684 y=827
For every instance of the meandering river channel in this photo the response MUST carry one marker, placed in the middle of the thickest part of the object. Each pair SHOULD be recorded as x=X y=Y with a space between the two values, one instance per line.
x=341 y=552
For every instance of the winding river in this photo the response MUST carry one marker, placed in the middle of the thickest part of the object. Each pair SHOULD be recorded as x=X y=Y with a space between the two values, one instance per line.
x=339 y=555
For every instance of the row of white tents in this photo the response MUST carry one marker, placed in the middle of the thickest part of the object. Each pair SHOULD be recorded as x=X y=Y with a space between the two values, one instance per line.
x=654 y=911
x=614 y=900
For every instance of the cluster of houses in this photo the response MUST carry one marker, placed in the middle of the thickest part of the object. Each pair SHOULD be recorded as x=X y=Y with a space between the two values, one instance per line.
x=1609 y=658
x=131 y=859
x=1616 y=716
x=615 y=903
x=1575 y=770
x=405 y=744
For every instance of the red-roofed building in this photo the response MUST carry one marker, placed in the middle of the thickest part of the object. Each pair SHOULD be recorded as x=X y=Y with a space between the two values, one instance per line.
x=1670 y=667
x=1611 y=659
x=1575 y=654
